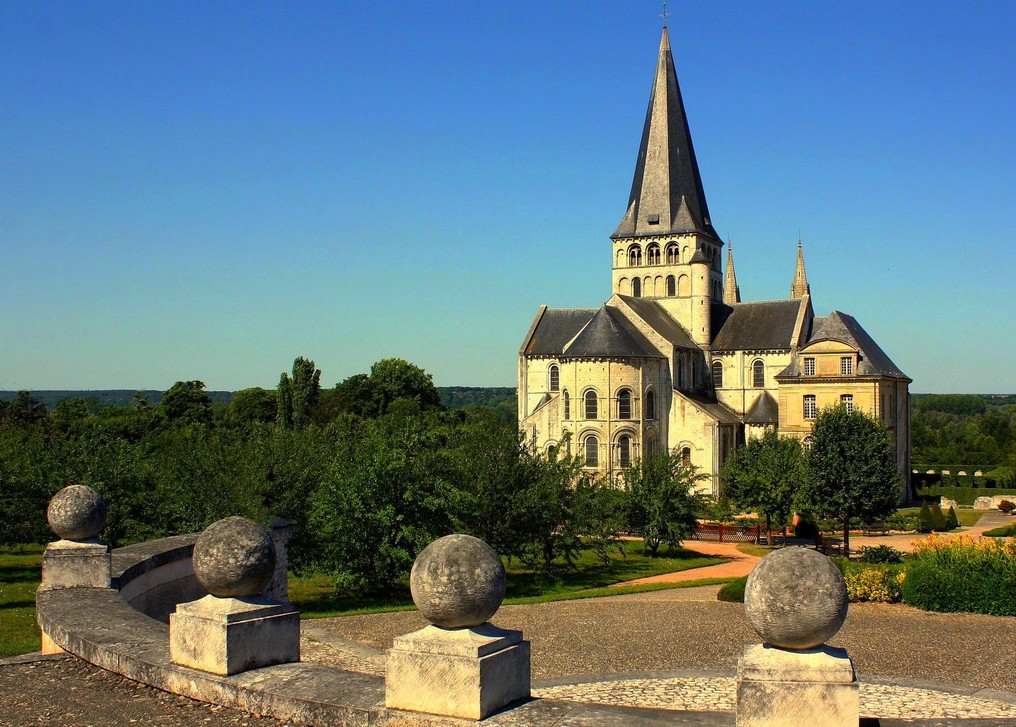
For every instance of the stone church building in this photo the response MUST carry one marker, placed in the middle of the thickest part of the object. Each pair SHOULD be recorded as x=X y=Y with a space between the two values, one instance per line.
x=674 y=358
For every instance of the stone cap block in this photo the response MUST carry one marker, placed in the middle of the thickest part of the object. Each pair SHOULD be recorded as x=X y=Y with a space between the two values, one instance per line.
x=233 y=610
x=765 y=663
x=477 y=641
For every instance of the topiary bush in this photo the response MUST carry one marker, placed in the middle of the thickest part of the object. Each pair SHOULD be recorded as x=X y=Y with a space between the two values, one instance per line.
x=959 y=574
x=1006 y=506
x=938 y=522
x=925 y=523
x=879 y=554
x=951 y=521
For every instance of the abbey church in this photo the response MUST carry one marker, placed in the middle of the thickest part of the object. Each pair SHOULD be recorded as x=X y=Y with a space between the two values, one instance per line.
x=675 y=358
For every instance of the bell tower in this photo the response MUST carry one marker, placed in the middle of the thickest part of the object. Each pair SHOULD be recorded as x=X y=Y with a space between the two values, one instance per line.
x=665 y=247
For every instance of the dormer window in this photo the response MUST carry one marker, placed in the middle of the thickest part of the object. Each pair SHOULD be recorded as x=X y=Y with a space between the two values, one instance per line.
x=654 y=219
x=809 y=367
x=847 y=366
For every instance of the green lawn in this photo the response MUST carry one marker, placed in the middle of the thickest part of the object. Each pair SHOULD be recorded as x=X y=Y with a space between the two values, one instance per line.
x=19 y=577
x=588 y=578
x=966 y=517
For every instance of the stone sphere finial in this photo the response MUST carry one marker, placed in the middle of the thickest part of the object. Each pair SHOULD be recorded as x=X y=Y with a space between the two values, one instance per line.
x=77 y=512
x=796 y=598
x=458 y=581
x=234 y=558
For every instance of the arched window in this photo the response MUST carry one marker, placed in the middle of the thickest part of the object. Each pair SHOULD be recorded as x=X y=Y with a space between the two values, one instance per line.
x=806 y=444
x=653 y=254
x=650 y=405
x=634 y=255
x=567 y=405
x=650 y=444
x=758 y=375
x=591 y=405
x=686 y=456
x=592 y=451
x=683 y=286
x=636 y=288
x=624 y=404
x=673 y=254
x=624 y=450
x=555 y=377
x=671 y=286
x=717 y=374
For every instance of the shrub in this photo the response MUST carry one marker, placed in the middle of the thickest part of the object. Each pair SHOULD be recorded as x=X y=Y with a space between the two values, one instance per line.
x=903 y=521
x=1006 y=506
x=951 y=521
x=959 y=574
x=879 y=554
x=925 y=523
x=875 y=584
x=733 y=592
x=806 y=528
x=938 y=522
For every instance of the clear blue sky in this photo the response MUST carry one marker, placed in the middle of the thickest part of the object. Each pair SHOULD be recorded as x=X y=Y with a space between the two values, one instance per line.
x=196 y=190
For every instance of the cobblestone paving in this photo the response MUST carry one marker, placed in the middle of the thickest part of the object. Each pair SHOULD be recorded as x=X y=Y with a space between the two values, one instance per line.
x=717 y=694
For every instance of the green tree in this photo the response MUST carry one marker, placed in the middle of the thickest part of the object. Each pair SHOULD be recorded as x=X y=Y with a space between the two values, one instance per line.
x=284 y=402
x=661 y=502
x=306 y=390
x=394 y=378
x=851 y=469
x=186 y=402
x=24 y=411
x=253 y=406
x=764 y=476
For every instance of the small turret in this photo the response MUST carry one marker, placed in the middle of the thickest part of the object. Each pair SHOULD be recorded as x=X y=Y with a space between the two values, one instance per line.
x=700 y=299
x=731 y=293
x=800 y=288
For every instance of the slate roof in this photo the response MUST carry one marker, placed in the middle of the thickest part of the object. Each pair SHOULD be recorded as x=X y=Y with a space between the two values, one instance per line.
x=763 y=325
x=555 y=328
x=660 y=321
x=609 y=334
x=765 y=410
x=710 y=405
x=667 y=187
x=838 y=326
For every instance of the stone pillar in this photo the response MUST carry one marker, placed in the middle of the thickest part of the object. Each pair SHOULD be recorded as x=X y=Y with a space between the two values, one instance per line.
x=281 y=530
x=77 y=514
x=234 y=628
x=460 y=665
x=796 y=600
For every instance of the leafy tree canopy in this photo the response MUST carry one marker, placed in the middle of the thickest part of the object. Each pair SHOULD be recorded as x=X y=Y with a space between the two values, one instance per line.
x=765 y=476
x=661 y=500
x=186 y=402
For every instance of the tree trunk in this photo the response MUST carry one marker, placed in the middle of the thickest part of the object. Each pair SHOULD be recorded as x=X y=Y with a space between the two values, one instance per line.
x=846 y=536
x=769 y=532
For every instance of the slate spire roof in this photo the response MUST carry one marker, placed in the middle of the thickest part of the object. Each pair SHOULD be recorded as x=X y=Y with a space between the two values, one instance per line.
x=666 y=192
x=800 y=287
x=731 y=293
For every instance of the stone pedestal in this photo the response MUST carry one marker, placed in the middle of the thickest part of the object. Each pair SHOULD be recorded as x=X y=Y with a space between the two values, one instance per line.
x=779 y=687
x=232 y=635
x=466 y=672
x=76 y=564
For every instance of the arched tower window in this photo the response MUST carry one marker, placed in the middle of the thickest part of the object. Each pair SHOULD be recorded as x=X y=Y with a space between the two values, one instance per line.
x=624 y=404
x=650 y=405
x=653 y=254
x=555 y=377
x=567 y=405
x=671 y=286
x=650 y=444
x=592 y=445
x=758 y=374
x=636 y=288
x=673 y=254
x=717 y=374
x=634 y=255
x=684 y=286
x=624 y=450
x=686 y=456
x=591 y=404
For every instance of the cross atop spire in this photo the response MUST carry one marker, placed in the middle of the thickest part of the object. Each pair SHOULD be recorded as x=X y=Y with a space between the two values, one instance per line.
x=800 y=288
x=664 y=14
x=666 y=192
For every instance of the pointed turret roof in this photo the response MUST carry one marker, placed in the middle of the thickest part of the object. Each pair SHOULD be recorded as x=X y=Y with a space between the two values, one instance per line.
x=666 y=193
x=800 y=288
x=731 y=293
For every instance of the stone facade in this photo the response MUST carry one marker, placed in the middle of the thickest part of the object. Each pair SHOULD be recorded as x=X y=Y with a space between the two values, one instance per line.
x=674 y=359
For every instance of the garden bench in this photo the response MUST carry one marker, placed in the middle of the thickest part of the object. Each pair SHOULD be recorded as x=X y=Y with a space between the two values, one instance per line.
x=871 y=528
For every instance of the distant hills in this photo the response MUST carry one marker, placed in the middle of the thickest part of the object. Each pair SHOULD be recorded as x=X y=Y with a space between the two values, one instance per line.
x=453 y=397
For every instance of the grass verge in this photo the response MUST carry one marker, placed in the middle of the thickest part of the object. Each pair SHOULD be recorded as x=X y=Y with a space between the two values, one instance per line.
x=1006 y=531
x=20 y=569
x=587 y=577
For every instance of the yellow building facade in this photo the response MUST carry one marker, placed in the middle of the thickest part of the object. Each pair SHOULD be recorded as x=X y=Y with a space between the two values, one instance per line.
x=674 y=359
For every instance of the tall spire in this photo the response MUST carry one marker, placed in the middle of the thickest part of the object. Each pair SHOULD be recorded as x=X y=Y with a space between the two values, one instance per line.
x=731 y=293
x=800 y=288
x=666 y=193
